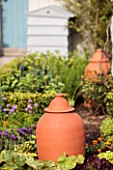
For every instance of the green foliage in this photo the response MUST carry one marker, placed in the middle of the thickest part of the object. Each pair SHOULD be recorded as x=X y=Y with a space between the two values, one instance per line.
x=0 y=97
x=66 y=163
x=41 y=165
x=21 y=100
x=100 y=144
x=31 y=73
x=109 y=103
x=29 y=108
x=92 y=19
x=12 y=160
x=25 y=120
x=17 y=161
x=27 y=148
x=108 y=155
x=97 y=92
x=44 y=73
x=107 y=127
x=18 y=139
x=71 y=74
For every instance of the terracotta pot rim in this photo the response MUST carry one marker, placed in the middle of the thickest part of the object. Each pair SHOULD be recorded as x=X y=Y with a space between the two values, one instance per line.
x=59 y=110
x=97 y=61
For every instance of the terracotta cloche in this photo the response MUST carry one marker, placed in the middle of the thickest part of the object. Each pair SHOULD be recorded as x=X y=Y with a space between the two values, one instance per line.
x=98 y=64
x=59 y=130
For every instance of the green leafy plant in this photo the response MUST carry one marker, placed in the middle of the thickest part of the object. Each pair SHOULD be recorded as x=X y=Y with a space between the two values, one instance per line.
x=107 y=127
x=96 y=93
x=25 y=107
x=98 y=145
x=27 y=147
x=17 y=161
x=21 y=101
x=43 y=73
x=109 y=102
x=71 y=74
x=30 y=73
x=90 y=18
x=66 y=163
x=12 y=160
x=0 y=97
x=108 y=155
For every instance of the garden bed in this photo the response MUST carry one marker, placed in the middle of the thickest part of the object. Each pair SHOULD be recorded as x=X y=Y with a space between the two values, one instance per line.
x=28 y=87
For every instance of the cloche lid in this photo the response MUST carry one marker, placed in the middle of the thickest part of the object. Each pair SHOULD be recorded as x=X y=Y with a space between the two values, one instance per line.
x=59 y=104
x=99 y=55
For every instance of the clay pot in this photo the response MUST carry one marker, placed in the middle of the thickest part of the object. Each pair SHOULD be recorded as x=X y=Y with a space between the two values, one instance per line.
x=98 y=64
x=60 y=130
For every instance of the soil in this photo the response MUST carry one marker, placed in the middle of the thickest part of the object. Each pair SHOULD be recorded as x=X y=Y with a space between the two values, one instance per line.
x=92 y=122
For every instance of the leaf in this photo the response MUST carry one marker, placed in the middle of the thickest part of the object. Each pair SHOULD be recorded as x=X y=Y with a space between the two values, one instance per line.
x=6 y=155
x=14 y=83
x=33 y=136
x=67 y=163
x=13 y=167
x=49 y=164
x=62 y=157
x=1 y=159
x=80 y=159
x=30 y=162
x=21 y=160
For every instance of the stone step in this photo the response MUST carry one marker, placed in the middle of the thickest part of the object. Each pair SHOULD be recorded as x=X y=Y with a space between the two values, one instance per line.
x=13 y=51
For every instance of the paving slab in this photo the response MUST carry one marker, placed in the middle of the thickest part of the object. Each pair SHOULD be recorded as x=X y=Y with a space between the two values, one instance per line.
x=6 y=59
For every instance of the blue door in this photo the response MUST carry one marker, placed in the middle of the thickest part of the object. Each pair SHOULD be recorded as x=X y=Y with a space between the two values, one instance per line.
x=14 y=23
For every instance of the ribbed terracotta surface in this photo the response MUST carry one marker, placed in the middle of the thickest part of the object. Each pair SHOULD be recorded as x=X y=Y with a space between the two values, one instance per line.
x=58 y=131
x=98 y=64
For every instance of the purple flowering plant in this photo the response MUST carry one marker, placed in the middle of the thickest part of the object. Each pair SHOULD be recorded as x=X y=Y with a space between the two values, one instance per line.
x=17 y=127
x=31 y=107
x=11 y=137
x=12 y=109
x=9 y=109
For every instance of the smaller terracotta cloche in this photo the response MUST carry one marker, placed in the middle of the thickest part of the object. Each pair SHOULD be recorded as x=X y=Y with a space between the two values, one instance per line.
x=98 y=64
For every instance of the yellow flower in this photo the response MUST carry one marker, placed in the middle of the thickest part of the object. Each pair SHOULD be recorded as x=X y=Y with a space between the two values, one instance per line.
x=99 y=150
x=107 y=143
x=100 y=139
x=109 y=140
x=5 y=123
x=14 y=160
x=95 y=142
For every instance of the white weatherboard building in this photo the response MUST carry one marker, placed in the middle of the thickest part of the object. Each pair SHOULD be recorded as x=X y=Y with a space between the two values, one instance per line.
x=34 y=25
x=38 y=4
x=48 y=30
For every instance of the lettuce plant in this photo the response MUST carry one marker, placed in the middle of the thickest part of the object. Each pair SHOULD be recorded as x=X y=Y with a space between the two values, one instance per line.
x=16 y=161
x=108 y=155
x=107 y=127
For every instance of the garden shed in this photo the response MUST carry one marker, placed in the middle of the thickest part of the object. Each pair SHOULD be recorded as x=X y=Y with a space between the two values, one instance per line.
x=48 y=30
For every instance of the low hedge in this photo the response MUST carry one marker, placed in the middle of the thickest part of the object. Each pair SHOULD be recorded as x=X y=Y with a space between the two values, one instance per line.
x=21 y=100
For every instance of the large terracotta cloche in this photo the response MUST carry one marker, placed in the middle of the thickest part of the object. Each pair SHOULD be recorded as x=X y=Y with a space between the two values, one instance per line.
x=60 y=130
